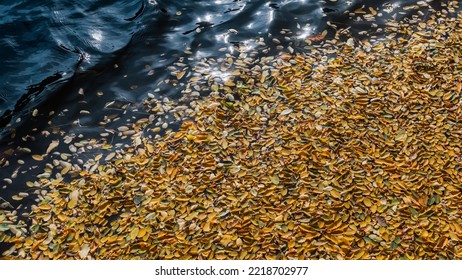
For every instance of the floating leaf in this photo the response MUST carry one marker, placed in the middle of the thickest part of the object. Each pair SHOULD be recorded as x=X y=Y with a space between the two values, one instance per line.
x=382 y=221
x=434 y=199
x=37 y=157
x=73 y=198
x=375 y=237
x=134 y=232
x=142 y=232
x=226 y=239
x=191 y=216
x=84 y=250
x=274 y=179
x=180 y=75
x=52 y=146
x=401 y=136
x=334 y=193
x=413 y=211
x=286 y=112
x=367 y=202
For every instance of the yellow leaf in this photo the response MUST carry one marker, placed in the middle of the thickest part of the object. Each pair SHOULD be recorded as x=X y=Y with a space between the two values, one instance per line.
x=52 y=146
x=142 y=232
x=73 y=198
x=453 y=236
x=243 y=254
x=373 y=12
x=45 y=207
x=134 y=233
x=358 y=255
x=334 y=193
x=226 y=239
x=180 y=75
x=367 y=202
x=191 y=216
x=37 y=157
x=66 y=169
x=109 y=156
x=239 y=242
x=290 y=226
x=229 y=83
x=401 y=135
x=72 y=203
x=207 y=227
x=274 y=179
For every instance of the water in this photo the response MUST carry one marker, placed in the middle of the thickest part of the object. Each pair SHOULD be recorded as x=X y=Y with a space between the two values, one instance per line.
x=64 y=61
x=47 y=43
x=71 y=56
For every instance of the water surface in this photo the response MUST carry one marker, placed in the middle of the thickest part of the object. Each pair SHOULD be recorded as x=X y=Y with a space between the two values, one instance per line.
x=63 y=62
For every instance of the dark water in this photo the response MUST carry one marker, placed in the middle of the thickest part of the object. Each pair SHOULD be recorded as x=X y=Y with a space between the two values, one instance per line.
x=46 y=44
x=64 y=57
